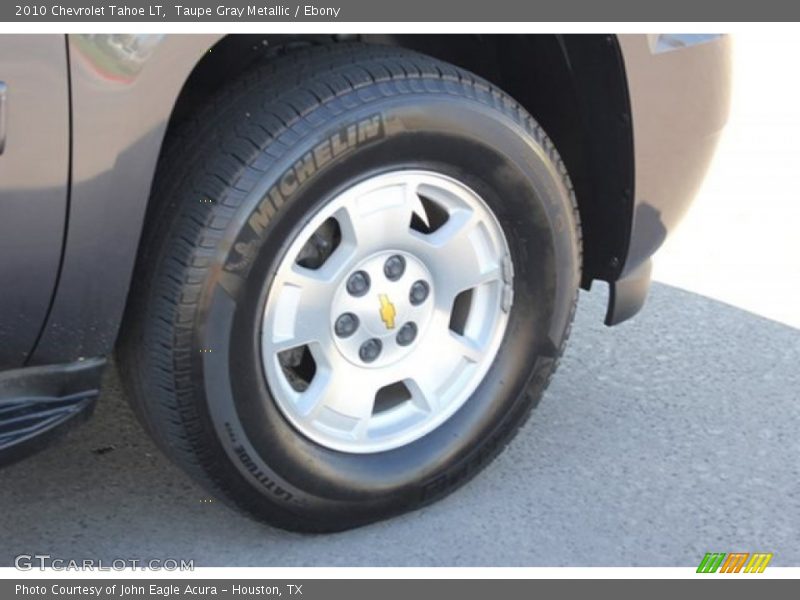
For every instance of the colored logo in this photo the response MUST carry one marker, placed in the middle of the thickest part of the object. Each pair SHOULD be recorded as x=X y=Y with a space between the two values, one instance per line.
x=734 y=562
x=388 y=313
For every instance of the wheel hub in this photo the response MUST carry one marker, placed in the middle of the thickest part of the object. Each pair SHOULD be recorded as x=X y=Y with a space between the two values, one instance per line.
x=388 y=318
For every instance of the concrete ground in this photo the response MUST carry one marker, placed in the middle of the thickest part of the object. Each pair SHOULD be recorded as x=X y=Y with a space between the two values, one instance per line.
x=670 y=436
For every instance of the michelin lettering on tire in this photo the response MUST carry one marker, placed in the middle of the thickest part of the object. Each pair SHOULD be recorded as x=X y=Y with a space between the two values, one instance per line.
x=343 y=142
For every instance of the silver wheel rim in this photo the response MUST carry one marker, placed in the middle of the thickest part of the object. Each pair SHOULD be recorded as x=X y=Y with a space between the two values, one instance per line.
x=367 y=369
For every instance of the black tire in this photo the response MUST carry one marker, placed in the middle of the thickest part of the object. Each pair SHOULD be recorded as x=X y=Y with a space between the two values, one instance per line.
x=197 y=288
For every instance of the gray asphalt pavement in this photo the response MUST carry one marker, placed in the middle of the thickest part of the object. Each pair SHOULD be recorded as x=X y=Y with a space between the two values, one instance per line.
x=670 y=436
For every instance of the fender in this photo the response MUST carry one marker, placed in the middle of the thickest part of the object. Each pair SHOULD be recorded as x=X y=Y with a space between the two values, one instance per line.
x=123 y=90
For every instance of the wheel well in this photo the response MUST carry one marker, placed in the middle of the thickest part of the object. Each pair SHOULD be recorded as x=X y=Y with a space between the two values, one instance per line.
x=574 y=85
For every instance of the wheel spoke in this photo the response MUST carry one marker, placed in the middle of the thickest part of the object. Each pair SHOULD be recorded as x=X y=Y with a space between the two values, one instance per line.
x=462 y=254
x=463 y=347
x=300 y=310
x=384 y=214
x=441 y=359
x=423 y=392
x=341 y=397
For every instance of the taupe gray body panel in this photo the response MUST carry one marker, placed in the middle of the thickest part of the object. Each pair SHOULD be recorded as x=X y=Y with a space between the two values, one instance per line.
x=34 y=166
x=679 y=88
x=123 y=92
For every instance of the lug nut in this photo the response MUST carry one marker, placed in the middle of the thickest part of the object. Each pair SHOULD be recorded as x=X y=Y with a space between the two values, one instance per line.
x=358 y=284
x=346 y=325
x=370 y=350
x=419 y=292
x=407 y=334
x=394 y=267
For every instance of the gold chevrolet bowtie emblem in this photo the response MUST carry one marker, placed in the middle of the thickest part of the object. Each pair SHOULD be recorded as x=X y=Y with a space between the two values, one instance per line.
x=388 y=313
